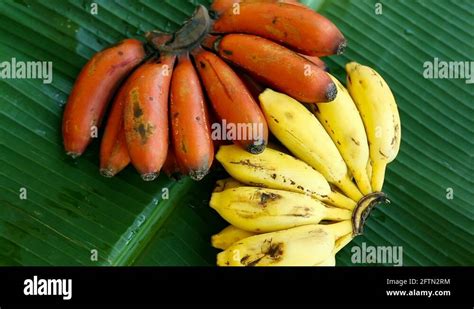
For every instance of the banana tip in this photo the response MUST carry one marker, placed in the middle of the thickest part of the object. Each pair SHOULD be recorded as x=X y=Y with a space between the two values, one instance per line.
x=73 y=154
x=198 y=174
x=331 y=92
x=149 y=176
x=256 y=148
x=341 y=47
x=107 y=172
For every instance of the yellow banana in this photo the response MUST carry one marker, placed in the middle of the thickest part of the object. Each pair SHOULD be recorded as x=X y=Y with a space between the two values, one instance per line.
x=343 y=123
x=369 y=170
x=267 y=210
x=276 y=170
x=305 y=245
x=330 y=261
x=231 y=234
x=377 y=107
x=228 y=236
x=398 y=132
x=341 y=242
x=228 y=183
x=306 y=138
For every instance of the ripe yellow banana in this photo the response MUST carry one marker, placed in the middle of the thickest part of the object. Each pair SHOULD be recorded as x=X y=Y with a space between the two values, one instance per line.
x=228 y=183
x=343 y=123
x=330 y=261
x=306 y=138
x=341 y=242
x=276 y=170
x=398 y=132
x=377 y=107
x=267 y=210
x=305 y=245
x=231 y=234
x=228 y=236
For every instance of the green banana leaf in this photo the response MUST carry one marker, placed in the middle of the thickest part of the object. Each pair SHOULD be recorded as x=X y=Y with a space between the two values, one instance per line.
x=59 y=211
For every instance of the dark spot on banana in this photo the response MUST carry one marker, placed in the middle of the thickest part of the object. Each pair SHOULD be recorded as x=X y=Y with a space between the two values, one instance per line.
x=265 y=197
x=384 y=155
x=338 y=142
x=247 y=163
x=257 y=184
x=274 y=176
x=142 y=131
x=273 y=250
x=288 y=115
x=301 y=188
x=355 y=141
x=137 y=110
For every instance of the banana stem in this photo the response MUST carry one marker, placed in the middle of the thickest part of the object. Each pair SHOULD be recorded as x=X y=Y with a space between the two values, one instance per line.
x=342 y=242
x=363 y=209
x=339 y=229
x=349 y=188
x=362 y=179
x=337 y=214
x=378 y=174
x=188 y=37
x=339 y=200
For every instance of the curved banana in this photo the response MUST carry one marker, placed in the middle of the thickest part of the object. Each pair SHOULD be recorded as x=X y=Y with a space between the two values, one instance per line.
x=343 y=123
x=398 y=133
x=306 y=138
x=228 y=236
x=305 y=245
x=377 y=107
x=276 y=170
x=260 y=210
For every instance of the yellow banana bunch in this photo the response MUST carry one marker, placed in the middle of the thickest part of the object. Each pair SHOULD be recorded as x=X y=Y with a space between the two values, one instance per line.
x=343 y=123
x=266 y=210
x=379 y=112
x=280 y=203
x=305 y=245
x=306 y=138
x=277 y=170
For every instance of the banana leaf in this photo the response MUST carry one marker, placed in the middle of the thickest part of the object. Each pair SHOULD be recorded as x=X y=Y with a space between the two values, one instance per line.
x=59 y=211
